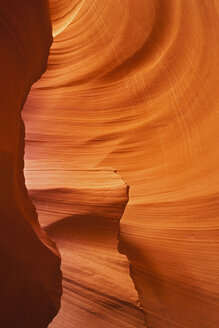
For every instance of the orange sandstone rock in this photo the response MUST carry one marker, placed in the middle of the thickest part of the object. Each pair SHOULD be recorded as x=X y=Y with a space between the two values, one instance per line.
x=133 y=85
x=81 y=210
x=30 y=276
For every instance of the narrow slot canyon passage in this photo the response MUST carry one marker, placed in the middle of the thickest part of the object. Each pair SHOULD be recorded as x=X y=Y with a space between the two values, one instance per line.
x=109 y=114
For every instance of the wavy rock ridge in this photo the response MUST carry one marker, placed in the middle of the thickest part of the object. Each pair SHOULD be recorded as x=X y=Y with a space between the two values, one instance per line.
x=81 y=210
x=133 y=85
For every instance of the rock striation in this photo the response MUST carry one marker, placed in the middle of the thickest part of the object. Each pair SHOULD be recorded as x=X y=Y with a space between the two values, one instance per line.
x=81 y=211
x=133 y=85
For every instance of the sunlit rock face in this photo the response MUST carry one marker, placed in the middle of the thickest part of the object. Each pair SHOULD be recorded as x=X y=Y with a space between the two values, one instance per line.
x=81 y=210
x=30 y=276
x=133 y=86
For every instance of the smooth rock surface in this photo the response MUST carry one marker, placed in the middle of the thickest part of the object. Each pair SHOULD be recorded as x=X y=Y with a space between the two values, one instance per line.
x=133 y=85
x=30 y=276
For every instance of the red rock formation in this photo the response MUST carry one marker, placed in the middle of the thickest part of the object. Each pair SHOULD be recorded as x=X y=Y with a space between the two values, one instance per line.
x=133 y=85
x=30 y=276
x=81 y=211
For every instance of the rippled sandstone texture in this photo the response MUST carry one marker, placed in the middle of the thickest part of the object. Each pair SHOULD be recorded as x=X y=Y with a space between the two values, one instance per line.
x=133 y=85
x=30 y=276
x=81 y=210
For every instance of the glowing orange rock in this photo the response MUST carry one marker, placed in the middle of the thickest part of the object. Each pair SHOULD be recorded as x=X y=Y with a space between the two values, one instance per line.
x=81 y=210
x=133 y=85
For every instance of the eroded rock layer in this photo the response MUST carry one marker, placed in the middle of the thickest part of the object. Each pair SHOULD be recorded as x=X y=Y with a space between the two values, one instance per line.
x=81 y=210
x=30 y=276
x=133 y=85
